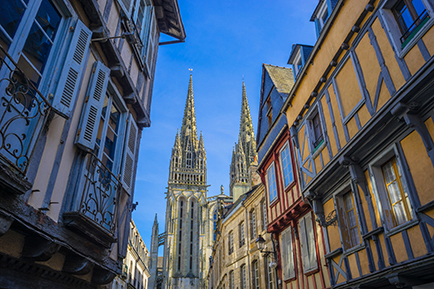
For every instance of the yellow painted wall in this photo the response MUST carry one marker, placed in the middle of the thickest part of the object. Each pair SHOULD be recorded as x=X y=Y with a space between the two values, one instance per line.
x=414 y=59
x=352 y=127
x=342 y=26
x=348 y=87
x=364 y=262
x=428 y=39
x=329 y=126
x=416 y=240
x=364 y=115
x=430 y=213
x=369 y=64
x=383 y=249
x=337 y=115
x=388 y=54
x=332 y=231
x=303 y=142
x=399 y=248
x=325 y=156
x=318 y=166
x=353 y=265
x=420 y=165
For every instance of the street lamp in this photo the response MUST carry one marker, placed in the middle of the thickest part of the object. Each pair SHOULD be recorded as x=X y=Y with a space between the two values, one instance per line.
x=260 y=243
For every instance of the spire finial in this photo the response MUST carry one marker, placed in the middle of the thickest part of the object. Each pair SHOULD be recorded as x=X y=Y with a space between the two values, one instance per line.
x=188 y=129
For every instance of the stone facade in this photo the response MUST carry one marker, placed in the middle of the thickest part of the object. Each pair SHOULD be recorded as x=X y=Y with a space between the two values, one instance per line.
x=187 y=243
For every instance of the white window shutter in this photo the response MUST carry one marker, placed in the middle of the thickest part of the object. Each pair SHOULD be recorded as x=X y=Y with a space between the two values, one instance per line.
x=290 y=254
x=151 y=43
x=67 y=87
x=285 y=254
x=94 y=102
x=305 y=252
x=311 y=241
x=129 y=154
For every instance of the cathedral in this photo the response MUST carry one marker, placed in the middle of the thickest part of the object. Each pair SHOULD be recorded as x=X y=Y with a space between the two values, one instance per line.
x=190 y=215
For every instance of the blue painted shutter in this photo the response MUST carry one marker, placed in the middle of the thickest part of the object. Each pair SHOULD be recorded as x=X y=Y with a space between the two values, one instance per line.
x=152 y=41
x=89 y=124
x=66 y=91
x=129 y=154
x=126 y=5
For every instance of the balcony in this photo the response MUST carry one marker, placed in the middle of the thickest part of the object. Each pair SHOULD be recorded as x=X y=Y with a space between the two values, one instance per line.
x=23 y=113
x=97 y=211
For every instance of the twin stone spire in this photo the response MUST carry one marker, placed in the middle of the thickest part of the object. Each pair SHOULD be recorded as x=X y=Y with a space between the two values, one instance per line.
x=188 y=161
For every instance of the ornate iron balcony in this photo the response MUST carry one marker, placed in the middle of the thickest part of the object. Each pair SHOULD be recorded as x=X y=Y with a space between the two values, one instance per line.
x=23 y=111
x=98 y=208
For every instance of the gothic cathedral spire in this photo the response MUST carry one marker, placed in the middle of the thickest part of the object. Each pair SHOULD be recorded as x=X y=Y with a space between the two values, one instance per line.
x=244 y=154
x=187 y=247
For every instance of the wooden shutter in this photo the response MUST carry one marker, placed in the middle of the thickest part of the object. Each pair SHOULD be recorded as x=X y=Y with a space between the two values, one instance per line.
x=151 y=43
x=129 y=154
x=285 y=254
x=311 y=241
x=290 y=253
x=343 y=222
x=304 y=245
x=94 y=102
x=67 y=87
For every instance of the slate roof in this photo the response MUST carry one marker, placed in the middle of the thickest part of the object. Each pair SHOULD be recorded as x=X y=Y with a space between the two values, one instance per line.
x=282 y=77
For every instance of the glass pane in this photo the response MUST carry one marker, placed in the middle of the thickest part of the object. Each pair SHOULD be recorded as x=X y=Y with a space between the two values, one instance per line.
x=29 y=71
x=400 y=213
x=395 y=195
x=389 y=174
x=48 y=18
x=37 y=48
x=12 y=12
x=354 y=236
x=418 y=6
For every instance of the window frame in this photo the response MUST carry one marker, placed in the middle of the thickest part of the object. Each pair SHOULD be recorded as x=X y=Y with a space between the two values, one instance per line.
x=255 y=274
x=297 y=61
x=289 y=253
x=271 y=284
x=342 y=219
x=272 y=168
x=252 y=217
x=231 y=242
x=320 y=15
x=242 y=234
x=291 y=178
x=313 y=264
x=243 y=277
x=393 y=30
x=310 y=131
x=380 y=191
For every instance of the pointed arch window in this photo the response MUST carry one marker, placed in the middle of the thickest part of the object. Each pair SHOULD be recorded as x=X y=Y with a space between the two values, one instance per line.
x=189 y=159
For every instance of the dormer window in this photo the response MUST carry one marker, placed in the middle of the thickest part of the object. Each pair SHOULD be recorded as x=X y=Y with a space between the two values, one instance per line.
x=322 y=16
x=297 y=63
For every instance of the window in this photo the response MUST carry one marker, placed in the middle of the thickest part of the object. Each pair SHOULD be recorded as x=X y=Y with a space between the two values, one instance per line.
x=321 y=17
x=285 y=159
x=409 y=15
x=231 y=242
x=316 y=131
x=287 y=252
x=390 y=186
x=231 y=280
x=271 y=183
x=252 y=224
x=214 y=224
x=242 y=234
x=405 y=19
x=255 y=274
x=397 y=192
x=243 y=277
x=298 y=64
x=270 y=271
x=307 y=242
x=264 y=214
x=348 y=222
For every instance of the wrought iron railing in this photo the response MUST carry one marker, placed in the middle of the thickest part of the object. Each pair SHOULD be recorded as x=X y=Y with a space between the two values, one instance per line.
x=412 y=28
x=100 y=195
x=23 y=111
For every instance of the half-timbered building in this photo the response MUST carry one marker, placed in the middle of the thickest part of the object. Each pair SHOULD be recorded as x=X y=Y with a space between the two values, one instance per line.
x=361 y=120
x=290 y=220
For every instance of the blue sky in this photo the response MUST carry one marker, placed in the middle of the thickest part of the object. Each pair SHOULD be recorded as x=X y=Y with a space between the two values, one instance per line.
x=226 y=42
